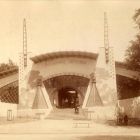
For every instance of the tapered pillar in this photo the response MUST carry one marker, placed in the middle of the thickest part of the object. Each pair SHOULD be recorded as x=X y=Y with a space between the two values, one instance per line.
x=41 y=106
x=92 y=98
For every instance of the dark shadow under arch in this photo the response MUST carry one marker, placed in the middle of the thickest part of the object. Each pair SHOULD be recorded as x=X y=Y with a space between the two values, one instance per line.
x=66 y=97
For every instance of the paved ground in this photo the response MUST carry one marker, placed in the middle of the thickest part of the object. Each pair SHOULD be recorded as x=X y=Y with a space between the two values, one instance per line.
x=65 y=130
x=66 y=137
x=66 y=127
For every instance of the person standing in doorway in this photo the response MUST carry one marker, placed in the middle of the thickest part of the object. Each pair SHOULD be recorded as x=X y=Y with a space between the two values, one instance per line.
x=77 y=105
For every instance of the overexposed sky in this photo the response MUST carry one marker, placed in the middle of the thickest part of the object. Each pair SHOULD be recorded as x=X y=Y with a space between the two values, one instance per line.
x=57 y=25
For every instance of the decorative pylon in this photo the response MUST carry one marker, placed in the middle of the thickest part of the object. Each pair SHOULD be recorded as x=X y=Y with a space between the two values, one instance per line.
x=39 y=101
x=92 y=98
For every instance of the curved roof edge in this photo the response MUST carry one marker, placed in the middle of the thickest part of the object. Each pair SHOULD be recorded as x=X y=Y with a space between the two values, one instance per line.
x=8 y=72
x=52 y=55
x=120 y=64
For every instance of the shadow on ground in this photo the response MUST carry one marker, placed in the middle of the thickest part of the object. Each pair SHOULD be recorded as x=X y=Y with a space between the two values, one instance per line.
x=4 y=121
x=109 y=138
x=131 y=123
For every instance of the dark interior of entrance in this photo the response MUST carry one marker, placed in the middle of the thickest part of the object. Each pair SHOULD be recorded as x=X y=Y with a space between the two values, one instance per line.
x=66 y=97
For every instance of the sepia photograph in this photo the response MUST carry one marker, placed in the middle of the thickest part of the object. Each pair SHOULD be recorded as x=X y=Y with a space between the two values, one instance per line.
x=70 y=70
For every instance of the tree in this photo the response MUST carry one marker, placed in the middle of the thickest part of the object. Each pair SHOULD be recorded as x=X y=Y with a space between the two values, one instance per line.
x=133 y=52
x=136 y=17
x=7 y=66
x=11 y=63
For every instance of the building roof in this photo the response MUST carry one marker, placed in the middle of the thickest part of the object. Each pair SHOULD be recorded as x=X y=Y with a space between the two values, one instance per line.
x=8 y=72
x=120 y=64
x=53 y=55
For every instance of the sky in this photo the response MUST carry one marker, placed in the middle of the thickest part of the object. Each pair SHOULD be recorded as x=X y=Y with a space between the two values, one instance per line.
x=63 y=25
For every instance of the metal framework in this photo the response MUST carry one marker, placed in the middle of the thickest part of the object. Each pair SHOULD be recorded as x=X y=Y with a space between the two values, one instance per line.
x=106 y=40
x=9 y=93
x=24 y=43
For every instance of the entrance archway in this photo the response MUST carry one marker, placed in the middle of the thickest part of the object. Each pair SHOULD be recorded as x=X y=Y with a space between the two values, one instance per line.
x=62 y=90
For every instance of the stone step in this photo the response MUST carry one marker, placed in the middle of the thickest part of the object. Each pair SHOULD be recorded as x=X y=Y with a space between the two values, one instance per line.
x=63 y=114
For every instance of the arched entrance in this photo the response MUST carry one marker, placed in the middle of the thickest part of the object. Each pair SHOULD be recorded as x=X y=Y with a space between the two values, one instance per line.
x=63 y=89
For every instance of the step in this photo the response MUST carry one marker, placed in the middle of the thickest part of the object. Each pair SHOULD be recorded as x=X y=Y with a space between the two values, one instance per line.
x=65 y=114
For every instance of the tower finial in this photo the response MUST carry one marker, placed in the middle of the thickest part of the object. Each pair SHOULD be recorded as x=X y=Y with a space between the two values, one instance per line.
x=24 y=43
x=106 y=40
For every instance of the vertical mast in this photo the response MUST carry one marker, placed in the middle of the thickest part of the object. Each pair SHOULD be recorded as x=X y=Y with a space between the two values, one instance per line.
x=24 y=43
x=106 y=40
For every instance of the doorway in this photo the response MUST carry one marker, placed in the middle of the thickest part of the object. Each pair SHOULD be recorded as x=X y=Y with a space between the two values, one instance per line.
x=66 y=97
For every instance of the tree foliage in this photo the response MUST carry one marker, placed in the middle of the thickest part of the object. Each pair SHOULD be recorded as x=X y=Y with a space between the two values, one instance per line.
x=7 y=66
x=133 y=51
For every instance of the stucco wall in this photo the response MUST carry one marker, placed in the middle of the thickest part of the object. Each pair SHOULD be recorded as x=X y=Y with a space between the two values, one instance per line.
x=64 y=65
x=4 y=107
x=106 y=87
x=131 y=107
